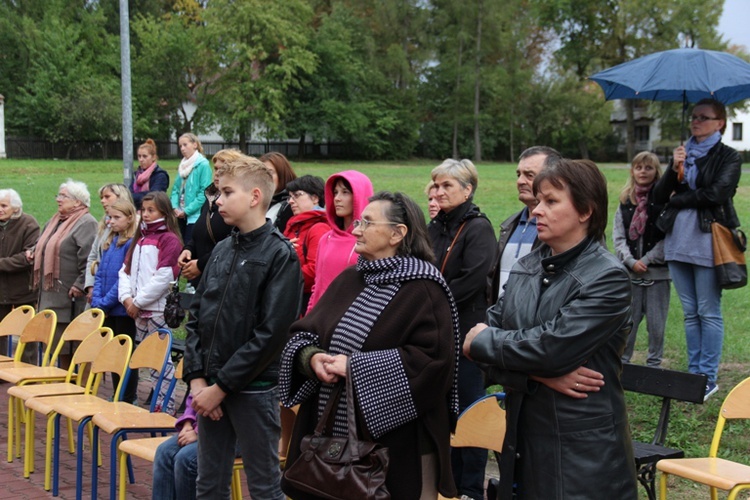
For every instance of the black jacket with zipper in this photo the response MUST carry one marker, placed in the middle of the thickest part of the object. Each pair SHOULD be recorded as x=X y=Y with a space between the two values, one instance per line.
x=250 y=294
x=718 y=177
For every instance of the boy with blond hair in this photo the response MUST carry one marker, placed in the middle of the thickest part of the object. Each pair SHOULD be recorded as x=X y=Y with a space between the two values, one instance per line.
x=248 y=297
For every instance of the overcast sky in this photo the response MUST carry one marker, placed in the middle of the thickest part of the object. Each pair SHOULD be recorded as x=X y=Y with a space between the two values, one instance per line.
x=734 y=22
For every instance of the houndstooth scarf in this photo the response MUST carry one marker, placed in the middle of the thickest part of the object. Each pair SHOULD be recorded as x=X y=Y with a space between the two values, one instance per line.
x=383 y=280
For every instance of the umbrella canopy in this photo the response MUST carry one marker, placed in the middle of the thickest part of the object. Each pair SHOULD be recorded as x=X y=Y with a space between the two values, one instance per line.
x=682 y=75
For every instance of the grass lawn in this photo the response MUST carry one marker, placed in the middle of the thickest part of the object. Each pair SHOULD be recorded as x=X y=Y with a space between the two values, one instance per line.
x=691 y=426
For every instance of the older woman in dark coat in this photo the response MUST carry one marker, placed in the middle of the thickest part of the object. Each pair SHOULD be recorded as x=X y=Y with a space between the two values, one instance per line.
x=464 y=244
x=393 y=320
x=566 y=305
x=18 y=233
x=61 y=254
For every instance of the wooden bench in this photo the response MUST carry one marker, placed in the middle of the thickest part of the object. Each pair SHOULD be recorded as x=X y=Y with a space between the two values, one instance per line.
x=668 y=385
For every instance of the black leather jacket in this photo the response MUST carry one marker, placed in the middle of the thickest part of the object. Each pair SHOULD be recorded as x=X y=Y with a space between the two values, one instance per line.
x=250 y=294
x=718 y=177
x=559 y=313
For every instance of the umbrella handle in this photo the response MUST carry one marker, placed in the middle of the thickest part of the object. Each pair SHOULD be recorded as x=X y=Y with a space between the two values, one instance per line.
x=680 y=167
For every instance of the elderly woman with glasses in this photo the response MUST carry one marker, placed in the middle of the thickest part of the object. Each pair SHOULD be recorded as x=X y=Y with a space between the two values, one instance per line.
x=18 y=233
x=61 y=255
x=392 y=320
x=463 y=241
x=698 y=188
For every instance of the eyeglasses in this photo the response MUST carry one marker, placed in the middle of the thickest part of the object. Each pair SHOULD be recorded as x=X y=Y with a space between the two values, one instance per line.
x=298 y=194
x=701 y=118
x=364 y=224
x=60 y=196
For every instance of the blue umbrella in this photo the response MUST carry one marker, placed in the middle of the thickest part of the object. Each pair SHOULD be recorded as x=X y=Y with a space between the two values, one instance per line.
x=682 y=75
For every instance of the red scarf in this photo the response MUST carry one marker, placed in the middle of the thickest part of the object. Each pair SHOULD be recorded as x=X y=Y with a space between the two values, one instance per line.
x=141 y=180
x=638 y=224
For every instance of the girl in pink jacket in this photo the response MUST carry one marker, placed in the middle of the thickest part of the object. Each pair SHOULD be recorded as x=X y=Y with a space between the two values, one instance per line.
x=346 y=196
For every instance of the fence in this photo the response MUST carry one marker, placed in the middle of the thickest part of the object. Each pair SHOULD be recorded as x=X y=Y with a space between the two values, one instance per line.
x=31 y=148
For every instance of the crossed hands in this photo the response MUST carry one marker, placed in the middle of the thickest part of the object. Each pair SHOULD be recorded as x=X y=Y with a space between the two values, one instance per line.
x=207 y=398
x=329 y=368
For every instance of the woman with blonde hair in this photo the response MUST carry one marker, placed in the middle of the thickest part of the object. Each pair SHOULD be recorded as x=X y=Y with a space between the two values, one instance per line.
x=108 y=194
x=210 y=227
x=194 y=176
x=639 y=244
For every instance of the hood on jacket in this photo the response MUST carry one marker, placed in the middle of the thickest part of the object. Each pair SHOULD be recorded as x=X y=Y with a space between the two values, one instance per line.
x=361 y=191
x=309 y=218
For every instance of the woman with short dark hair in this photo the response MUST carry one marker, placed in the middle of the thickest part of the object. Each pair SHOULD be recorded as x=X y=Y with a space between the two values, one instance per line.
x=565 y=312
x=392 y=319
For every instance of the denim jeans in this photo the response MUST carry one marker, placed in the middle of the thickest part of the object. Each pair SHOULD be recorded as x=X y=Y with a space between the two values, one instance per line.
x=252 y=420
x=175 y=470
x=704 y=326
x=468 y=464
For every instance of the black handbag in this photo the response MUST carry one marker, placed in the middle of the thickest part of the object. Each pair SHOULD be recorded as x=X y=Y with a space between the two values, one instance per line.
x=174 y=314
x=339 y=468
x=729 y=247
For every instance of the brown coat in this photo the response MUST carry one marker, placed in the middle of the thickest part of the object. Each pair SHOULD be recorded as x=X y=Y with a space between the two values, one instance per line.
x=16 y=237
x=418 y=323
x=74 y=253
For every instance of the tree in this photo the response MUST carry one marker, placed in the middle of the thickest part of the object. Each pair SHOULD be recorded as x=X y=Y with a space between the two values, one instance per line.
x=171 y=71
x=71 y=77
x=260 y=50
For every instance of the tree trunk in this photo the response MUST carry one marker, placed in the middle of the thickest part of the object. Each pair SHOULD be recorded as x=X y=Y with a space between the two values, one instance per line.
x=477 y=138
x=243 y=140
x=630 y=127
x=457 y=97
x=301 y=150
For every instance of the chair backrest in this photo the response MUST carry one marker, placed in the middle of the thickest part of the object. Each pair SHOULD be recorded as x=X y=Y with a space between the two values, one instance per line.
x=178 y=369
x=41 y=328
x=87 y=352
x=153 y=350
x=736 y=406
x=113 y=358
x=481 y=425
x=80 y=328
x=14 y=322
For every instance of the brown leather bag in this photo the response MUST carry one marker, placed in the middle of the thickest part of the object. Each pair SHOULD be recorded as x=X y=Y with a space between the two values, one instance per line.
x=340 y=468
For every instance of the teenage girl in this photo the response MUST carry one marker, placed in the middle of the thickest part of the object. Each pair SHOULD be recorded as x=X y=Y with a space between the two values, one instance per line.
x=108 y=194
x=149 y=176
x=639 y=244
x=122 y=225
x=194 y=176
x=150 y=266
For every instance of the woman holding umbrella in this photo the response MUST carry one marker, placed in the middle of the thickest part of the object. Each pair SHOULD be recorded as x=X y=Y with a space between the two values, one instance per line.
x=698 y=188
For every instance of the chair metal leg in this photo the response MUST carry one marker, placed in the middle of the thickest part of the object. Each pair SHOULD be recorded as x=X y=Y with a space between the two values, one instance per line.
x=79 y=458
x=94 y=462
x=56 y=461
x=124 y=458
x=663 y=486
x=10 y=430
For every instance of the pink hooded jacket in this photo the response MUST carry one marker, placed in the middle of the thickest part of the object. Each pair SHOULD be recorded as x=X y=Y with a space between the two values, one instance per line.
x=336 y=247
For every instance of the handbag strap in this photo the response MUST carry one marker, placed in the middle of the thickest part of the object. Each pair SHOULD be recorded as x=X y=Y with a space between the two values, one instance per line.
x=351 y=419
x=329 y=412
x=450 y=248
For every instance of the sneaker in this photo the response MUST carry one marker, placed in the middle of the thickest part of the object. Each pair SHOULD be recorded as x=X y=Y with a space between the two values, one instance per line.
x=711 y=389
